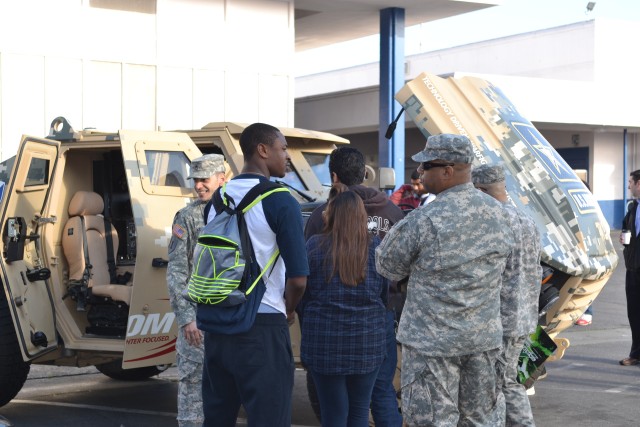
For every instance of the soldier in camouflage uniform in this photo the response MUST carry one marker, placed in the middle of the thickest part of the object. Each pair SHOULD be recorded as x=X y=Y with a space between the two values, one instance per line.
x=454 y=251
x=519 y=294
x=208 y=173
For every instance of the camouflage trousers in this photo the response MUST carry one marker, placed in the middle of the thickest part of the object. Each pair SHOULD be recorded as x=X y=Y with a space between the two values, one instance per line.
x=515 y=395
x=190 y=361
x=450 y=391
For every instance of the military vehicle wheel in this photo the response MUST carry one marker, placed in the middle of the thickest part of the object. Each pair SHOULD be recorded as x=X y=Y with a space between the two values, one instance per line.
x=114 y=370
x=13 y=370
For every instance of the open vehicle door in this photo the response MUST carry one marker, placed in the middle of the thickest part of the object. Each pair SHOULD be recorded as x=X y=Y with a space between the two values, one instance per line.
x=26 y=281
x=157 y=165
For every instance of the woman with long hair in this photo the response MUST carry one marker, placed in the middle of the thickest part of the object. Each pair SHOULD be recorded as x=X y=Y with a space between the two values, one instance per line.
x=343 y=333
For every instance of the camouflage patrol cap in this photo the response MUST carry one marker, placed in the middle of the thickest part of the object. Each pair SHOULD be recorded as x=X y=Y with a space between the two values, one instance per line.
x=446 y=146
x=487 y=174
x=207 y=165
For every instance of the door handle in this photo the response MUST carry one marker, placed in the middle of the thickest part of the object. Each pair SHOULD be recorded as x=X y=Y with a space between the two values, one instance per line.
x=159 y=262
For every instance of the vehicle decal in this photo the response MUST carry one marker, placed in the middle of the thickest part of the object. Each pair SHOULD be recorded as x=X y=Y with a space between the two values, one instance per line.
x=150 y=324
x=539 y=146
x=171 y=347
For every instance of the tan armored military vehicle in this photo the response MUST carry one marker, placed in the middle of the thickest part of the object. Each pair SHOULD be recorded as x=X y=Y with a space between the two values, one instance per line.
x=65 y=301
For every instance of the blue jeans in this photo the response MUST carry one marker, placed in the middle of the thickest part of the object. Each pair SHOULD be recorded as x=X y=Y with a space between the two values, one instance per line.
x=344 y=399
x=384 y=406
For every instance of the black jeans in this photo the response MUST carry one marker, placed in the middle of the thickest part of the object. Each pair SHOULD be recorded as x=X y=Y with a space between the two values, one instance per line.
x=632 y=289
x=254 y=369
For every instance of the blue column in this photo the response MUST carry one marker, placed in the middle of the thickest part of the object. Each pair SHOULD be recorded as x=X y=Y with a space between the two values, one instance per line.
x=391 y=151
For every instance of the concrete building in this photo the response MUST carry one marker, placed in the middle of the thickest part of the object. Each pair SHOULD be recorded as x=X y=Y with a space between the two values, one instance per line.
x=169 y=64
x=576 y=83
x=145 y=64
x=176 y=64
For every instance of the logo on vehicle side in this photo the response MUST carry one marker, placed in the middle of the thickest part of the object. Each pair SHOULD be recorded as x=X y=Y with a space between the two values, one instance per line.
x=583 y=200
x=150 y=324
x=545 y=153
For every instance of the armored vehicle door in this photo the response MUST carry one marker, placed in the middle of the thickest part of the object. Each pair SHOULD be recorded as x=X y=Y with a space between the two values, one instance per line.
x=27 y=287
x=157 y=166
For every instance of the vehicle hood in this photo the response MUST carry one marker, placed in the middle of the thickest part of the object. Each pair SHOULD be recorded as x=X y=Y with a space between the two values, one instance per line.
x=575 y=235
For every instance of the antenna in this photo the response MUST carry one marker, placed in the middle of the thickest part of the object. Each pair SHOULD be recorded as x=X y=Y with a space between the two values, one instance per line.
x=392 y=127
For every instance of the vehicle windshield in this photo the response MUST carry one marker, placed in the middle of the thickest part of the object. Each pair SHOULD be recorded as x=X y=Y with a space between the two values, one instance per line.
x=291 y=179
x=319 y=163
x=169 y=169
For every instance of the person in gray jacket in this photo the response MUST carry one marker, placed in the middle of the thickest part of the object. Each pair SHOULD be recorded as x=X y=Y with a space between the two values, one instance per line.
x=518 y=296
x=454 y=251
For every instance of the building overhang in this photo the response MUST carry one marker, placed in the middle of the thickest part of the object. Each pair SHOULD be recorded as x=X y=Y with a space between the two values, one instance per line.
x=557 y=104
x=323 y=22
x=551 y=104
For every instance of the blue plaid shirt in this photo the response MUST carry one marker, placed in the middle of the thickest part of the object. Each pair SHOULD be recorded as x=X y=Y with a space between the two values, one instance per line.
x=343 y=327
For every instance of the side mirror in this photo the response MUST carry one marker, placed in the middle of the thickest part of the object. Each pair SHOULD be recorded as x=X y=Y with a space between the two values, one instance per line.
x=383 y=179
x=387 y=178
x=370 y=177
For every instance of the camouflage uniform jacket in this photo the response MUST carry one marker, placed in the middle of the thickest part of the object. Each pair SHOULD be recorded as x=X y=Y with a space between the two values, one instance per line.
x=185 y=229
x=521 y=282
x=454 y=251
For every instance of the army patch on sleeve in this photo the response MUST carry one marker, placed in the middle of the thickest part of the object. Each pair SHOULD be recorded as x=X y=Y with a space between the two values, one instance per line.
x=172 y=245
x=178 y=231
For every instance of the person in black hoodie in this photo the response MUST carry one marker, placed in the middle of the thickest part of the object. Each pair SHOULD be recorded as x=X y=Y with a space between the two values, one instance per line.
x=631 y=253
x=347 y=166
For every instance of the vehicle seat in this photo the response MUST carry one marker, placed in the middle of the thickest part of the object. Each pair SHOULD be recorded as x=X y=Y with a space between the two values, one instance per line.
x=88 y=205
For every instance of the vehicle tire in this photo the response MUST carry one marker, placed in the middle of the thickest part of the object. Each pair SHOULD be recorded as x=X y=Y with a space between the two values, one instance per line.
x=13 y=370
x=114 y=370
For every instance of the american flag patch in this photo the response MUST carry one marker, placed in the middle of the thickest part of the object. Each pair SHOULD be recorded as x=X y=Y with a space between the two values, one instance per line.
x=178 y=231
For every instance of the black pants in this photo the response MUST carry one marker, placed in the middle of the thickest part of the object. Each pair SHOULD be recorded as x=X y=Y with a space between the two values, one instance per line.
x=254 y=369
x=632 y=288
